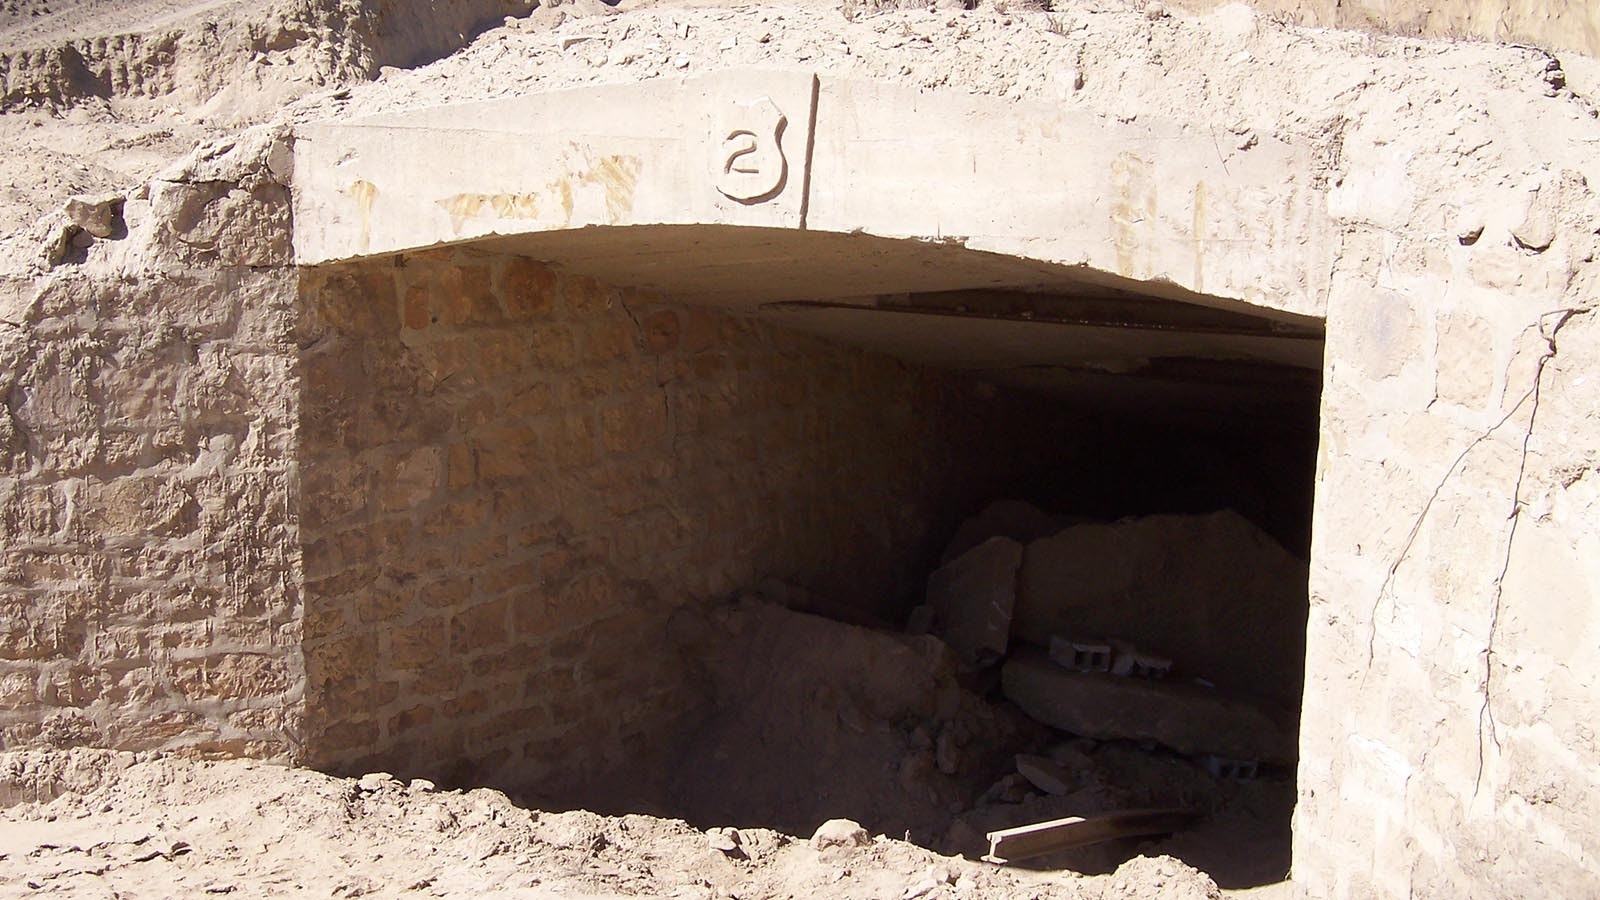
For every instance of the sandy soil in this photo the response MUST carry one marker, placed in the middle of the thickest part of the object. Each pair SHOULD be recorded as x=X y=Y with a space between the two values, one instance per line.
x=26 y=23
x=90 y=824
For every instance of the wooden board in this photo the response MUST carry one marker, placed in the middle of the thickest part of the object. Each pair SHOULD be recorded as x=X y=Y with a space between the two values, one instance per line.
x=1042 y=838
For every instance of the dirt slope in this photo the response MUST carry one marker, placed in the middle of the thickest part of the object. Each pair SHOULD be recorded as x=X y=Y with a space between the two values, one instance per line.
x=228 y=67
x=90 y=824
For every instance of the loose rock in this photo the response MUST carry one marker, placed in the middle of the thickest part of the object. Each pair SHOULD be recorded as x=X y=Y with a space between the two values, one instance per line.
x=840 y=833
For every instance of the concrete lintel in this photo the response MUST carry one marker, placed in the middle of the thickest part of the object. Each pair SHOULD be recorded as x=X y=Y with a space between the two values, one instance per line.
x=1159 y=203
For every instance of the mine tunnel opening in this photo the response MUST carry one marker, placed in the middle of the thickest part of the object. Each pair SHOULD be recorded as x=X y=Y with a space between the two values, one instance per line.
x=989 y=551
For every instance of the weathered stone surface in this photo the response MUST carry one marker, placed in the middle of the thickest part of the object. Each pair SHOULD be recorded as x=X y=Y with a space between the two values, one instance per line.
x=972 y=598
x=1184 y=717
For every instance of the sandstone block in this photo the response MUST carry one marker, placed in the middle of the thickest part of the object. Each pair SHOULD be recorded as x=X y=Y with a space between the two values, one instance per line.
x=972 y=597
x=231 y=676
x=634 y=423
x=527 y=288
x=1186 y=718
x=420 y=644
x=484 y=625
x=462 y=295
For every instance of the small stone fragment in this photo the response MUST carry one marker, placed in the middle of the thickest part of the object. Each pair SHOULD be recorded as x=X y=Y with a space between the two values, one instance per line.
x=421 y=785
x=1537 y=231
x=58 y=244
x=726 y=840
x=840 y=833
x=374 y=781
x=96 y=215
x=1044 y=774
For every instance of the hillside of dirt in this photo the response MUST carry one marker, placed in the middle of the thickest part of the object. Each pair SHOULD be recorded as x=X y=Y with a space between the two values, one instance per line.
x=101 y=112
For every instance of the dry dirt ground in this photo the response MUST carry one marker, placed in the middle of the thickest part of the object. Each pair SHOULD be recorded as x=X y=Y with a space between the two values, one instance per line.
x=89 y=824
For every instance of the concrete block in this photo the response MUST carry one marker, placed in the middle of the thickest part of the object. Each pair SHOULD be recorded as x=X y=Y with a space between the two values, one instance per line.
x=1081 y=656
x=1183 y=717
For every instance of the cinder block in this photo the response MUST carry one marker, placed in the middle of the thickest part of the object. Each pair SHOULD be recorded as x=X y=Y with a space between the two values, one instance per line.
x=1085 y=656
x=1223 y=767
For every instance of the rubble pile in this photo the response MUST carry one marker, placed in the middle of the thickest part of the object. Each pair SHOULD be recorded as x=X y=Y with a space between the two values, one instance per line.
x=1175 y=630
x=1162 y=653
x=973 y=721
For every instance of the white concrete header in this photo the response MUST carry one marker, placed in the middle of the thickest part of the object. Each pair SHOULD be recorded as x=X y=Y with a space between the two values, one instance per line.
x=1164 y=203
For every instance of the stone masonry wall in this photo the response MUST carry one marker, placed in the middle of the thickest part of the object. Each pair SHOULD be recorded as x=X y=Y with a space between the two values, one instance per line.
x=1448 y=739
x=514 y=479
x=148 y=572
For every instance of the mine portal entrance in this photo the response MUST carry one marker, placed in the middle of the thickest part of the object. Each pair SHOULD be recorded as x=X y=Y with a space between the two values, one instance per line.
x=934 y=540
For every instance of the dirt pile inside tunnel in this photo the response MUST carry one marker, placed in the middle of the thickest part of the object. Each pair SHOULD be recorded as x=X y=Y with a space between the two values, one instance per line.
x=807 y=718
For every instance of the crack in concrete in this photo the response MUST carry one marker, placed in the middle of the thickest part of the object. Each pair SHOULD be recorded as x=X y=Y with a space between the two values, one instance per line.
x=1486 y=723
x=1461 y=458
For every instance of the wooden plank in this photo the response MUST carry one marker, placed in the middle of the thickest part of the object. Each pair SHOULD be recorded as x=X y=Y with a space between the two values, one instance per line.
x=1042 y=838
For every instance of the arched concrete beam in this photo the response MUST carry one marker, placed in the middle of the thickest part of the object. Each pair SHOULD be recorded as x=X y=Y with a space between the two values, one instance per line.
x=1181 y=210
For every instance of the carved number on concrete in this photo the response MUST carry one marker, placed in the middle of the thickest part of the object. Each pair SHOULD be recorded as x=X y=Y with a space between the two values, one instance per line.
x=749 y=165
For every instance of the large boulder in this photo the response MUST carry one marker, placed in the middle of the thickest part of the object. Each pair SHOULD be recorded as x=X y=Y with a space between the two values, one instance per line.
x=1211 y=592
